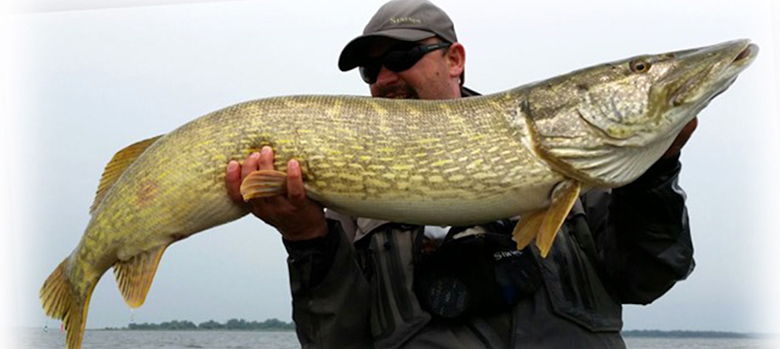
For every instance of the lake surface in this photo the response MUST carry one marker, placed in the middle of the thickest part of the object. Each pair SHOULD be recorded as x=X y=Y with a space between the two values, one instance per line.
x=101 y=339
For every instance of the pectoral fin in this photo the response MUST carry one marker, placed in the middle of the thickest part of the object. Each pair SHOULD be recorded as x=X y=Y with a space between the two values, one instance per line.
x=263 y=183
x=134 y=276
x=528 y=227
x=544 y=224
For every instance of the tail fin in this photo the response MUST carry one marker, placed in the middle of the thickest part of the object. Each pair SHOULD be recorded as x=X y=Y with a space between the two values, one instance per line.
x=61 y=301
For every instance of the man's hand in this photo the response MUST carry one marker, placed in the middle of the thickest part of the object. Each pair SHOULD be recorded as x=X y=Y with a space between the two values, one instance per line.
x=294 y=215
x=681 y=139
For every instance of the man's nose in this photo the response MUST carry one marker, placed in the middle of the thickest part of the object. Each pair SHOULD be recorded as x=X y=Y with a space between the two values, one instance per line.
x=386 y=76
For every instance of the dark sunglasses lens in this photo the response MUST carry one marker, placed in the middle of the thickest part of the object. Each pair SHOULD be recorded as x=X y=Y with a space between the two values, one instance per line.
x=369 y=72
x=399 y=61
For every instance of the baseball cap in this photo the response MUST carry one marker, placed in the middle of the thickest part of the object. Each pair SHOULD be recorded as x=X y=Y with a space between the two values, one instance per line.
x=405 y=20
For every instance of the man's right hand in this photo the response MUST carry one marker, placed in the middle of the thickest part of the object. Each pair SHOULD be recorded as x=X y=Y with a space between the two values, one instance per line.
x=295 y=216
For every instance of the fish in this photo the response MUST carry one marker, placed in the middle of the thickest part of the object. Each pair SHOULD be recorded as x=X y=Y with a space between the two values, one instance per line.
x=528 y=151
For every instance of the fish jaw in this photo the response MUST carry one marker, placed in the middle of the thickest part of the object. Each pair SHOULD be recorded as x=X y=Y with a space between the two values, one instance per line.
x=618 y=120
x=725 y=62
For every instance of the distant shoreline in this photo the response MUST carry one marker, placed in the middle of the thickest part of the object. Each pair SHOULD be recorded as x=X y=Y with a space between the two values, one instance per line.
x=232 y=324
x=690 y=334
x=275 y=325
x=290 y=327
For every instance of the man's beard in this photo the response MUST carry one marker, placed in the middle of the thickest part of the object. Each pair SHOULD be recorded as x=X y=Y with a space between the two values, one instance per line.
x=403 y=91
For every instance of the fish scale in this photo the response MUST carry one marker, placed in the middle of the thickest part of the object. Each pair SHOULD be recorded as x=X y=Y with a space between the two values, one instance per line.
x=528 y=151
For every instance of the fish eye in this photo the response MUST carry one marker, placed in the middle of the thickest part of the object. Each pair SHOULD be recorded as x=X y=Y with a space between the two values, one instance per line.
x=639 y=66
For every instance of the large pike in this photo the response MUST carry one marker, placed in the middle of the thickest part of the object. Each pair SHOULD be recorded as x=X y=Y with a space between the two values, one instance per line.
x=528 y=151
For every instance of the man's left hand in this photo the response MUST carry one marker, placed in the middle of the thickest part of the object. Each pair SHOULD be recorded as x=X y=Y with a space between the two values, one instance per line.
x=681 y=139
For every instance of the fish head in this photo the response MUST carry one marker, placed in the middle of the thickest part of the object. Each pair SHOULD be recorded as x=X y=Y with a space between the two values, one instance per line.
x=639 y=100
x=624 y=115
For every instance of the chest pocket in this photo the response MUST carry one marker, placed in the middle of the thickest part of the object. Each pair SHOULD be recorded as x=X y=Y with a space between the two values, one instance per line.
x=575 y=289
x=388 y=263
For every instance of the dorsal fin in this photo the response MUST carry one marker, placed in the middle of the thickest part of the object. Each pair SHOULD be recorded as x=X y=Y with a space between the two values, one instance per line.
x=118 y=164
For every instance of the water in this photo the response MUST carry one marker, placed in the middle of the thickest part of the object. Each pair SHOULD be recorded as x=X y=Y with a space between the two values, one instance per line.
x=701 y=343
x=94 y=339
x=101 y=339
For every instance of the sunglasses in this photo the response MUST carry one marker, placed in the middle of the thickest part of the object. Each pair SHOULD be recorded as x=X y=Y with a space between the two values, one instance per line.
x=397 y=59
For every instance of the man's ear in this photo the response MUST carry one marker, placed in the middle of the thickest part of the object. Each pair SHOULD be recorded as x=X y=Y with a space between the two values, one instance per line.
x=456 y=58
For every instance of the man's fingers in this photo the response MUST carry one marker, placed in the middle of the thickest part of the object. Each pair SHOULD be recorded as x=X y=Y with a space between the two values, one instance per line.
x=266 y=159
x=233 y=180
x=250 y=165
x=682 y=138
x=687 y=131
x=295 y=190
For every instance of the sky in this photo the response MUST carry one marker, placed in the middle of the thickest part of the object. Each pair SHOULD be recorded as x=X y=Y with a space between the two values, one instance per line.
x=79 y=85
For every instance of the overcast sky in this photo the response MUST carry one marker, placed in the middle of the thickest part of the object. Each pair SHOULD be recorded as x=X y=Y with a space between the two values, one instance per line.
x=80 y=85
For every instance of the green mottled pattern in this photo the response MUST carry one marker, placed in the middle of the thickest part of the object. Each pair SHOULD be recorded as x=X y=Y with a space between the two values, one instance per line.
x=357 y=149
x=428 y=162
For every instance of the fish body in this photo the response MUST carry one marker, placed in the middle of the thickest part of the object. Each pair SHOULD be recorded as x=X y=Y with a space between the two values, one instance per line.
x=528 y=151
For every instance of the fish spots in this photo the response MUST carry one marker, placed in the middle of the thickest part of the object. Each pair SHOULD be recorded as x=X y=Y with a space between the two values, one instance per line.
x=483 y=175
x=146 y=192
x=442 y=163
x=321 y=183
x=417 y=178
x=425 y=141
x=400 y=168
x=457 y=178
x=436 y=179
x=378 y=109
x=474 y=164
x=372 y=182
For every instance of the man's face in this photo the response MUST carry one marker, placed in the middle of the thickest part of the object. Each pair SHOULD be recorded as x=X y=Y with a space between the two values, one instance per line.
x=430 y=78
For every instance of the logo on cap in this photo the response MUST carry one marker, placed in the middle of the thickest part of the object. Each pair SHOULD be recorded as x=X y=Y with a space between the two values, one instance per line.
x=399 y=20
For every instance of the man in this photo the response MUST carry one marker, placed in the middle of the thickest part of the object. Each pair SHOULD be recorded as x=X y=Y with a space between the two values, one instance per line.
x=362 y=283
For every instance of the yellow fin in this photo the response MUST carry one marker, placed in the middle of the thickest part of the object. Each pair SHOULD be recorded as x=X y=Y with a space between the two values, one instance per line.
x=528 y=227
x=134 y=276
x=263 y=183
x=61 y=302
x=544 y=224
x=118 y=164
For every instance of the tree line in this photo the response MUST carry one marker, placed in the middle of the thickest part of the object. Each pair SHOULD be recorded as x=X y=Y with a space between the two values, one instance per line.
x=232 y=324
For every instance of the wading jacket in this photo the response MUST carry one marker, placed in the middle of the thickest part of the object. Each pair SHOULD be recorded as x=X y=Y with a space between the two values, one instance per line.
x=354 y=288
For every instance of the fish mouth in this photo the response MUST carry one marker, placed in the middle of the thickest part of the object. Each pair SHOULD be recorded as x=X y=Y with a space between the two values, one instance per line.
x=720 y=68
x=749 y=52
x=742 y=60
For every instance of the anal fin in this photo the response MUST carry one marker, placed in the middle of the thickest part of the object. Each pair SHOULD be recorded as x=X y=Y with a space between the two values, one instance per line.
x=263 y=183
x=134 y=276
x=544 y=224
